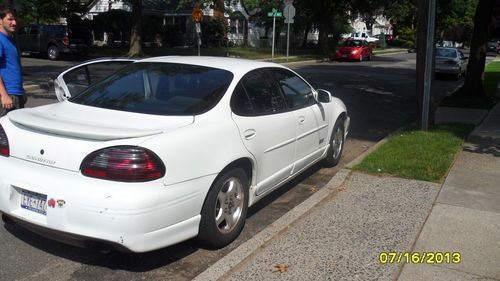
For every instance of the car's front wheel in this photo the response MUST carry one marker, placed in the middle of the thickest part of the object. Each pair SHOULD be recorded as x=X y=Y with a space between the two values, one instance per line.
x=224 y=212
x=53 y=52
x=336 y=144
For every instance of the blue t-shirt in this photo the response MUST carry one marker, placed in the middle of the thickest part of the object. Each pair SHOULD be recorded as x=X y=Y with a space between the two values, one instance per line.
x=10 y=67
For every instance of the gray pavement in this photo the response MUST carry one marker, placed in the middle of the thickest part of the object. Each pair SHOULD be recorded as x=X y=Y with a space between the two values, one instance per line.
x=339 y=233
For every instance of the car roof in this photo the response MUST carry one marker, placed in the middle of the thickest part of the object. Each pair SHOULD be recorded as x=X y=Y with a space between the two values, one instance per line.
x=229 y=64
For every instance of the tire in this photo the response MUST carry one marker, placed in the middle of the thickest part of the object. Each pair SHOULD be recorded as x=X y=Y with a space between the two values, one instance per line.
x=53 y=52
x=225 y=209
x=369 y=57
x=337 y=139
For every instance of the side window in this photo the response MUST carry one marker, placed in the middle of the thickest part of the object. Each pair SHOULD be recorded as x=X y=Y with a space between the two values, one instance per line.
x=264 y=93
x=23 y=31
x=77 y=80
x=297 y=93
x=240 y=102
x=34 y=30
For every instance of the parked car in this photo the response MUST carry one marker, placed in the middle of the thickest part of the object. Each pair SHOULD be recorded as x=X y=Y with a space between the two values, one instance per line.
x=53 y=40
x=164 y=150
x=354 y=50
x=493 y=46
x=450 y=61
x=372 y=41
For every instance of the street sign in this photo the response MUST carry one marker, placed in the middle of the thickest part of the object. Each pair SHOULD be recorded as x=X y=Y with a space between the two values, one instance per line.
x=289 y=12
x=197 y=14
x=275 y=13
x=198 y=27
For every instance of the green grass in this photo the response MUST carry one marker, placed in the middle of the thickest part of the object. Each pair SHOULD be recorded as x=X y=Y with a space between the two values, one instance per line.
x=492 y=77
x=417 y=154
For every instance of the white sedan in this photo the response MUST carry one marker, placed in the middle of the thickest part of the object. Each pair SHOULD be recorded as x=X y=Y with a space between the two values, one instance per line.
x=163 y=150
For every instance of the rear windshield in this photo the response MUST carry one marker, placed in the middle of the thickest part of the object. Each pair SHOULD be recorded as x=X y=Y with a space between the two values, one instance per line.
x=446 y=53
x=159 y=88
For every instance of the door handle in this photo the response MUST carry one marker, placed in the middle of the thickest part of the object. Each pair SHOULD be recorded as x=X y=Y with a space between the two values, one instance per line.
x=249 y=134
x=302 y=119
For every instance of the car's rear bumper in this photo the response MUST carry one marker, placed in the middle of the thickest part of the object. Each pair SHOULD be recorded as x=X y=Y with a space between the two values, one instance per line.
x=448 y=70
x=139 y=217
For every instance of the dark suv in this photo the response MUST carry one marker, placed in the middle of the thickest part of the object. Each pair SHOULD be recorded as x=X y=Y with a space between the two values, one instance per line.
x=53 y=40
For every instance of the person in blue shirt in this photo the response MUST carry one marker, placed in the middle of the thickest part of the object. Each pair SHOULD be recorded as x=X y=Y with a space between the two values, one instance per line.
x=11 y=80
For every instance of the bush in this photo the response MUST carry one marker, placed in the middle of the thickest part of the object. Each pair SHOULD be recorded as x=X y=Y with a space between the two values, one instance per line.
x=212 y=32
x=408 y=34
x=402 y=43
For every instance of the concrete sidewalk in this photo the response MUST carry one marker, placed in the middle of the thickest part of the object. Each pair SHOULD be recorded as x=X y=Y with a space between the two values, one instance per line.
x=339 y=232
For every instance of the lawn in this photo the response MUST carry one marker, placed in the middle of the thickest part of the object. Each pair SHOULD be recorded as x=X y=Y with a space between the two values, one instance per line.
x=417 y=154
x=492 y=77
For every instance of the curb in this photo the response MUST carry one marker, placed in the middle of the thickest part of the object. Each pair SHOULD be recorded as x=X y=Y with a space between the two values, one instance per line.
x=246 y=250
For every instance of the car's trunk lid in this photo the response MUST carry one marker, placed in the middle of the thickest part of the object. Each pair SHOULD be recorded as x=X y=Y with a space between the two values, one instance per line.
x=61 y=135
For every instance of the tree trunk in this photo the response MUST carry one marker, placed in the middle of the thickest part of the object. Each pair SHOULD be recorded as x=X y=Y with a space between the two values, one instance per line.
x=136 y=32
x=473 y=85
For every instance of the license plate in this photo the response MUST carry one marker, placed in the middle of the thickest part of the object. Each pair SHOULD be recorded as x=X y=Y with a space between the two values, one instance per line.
x=34 y=202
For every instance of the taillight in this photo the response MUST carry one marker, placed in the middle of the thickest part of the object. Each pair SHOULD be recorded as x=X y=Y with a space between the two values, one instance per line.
x=123 y=163
x=4 y=143
x=451 y=62
x=65 y=41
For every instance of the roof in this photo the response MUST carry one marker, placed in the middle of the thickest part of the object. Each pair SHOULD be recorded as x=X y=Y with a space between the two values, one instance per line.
x=230 y=64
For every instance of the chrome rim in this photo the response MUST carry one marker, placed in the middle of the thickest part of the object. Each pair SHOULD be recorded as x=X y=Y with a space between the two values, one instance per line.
x=338 y=141
x=52 y=53
x=229 y=205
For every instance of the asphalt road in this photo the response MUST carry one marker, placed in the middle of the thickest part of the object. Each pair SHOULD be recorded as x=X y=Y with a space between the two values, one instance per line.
x=380 y=96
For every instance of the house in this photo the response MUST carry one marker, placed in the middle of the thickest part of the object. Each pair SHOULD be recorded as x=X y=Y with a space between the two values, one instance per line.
x=172 y=15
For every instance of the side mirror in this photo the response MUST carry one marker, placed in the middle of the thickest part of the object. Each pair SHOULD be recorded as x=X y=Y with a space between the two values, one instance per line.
x=324 y=96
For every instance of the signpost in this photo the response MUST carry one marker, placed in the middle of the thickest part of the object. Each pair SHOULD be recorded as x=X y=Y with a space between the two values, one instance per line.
x=274 y=13
x=289 y=12
x=197 y=15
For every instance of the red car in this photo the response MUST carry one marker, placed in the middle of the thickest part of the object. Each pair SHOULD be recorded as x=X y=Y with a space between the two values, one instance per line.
x=354 y=50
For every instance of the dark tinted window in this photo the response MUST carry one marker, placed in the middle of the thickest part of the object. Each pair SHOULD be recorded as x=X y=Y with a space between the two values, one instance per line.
x=34 y=30
x=263 y=92
x=297 y=93
x=240 y=102
x=159 y=88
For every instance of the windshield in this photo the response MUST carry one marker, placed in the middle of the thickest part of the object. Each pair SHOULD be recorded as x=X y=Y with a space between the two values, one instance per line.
x=353 y=43
x=159 y=88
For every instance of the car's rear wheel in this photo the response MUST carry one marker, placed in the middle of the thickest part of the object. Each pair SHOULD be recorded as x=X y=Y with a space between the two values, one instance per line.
x=336 y=144
x=224 y=212
x=53 y=52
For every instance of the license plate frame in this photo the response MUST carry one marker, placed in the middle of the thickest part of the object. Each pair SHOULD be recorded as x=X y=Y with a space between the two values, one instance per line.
x=33 y=201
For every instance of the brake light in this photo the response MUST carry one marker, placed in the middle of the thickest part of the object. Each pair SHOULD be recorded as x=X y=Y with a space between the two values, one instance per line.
x=65 y=41
x=451 y=62
x=4 y=143
x=123 y=163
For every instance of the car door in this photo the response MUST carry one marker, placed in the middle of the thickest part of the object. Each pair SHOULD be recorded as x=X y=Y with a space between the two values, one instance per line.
x=266 y=127
x=300 y=100
x=22 y=38
x=33 y=38
x=77 y=78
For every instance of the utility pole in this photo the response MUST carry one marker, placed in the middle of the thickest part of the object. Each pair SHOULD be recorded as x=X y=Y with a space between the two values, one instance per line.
x=425 y=61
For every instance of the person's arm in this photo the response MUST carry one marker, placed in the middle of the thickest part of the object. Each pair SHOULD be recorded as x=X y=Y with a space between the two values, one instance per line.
x=6 y=99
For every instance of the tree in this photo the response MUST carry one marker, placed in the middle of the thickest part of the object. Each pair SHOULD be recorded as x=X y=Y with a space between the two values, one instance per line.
x=135 y=49
x=473 y=81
